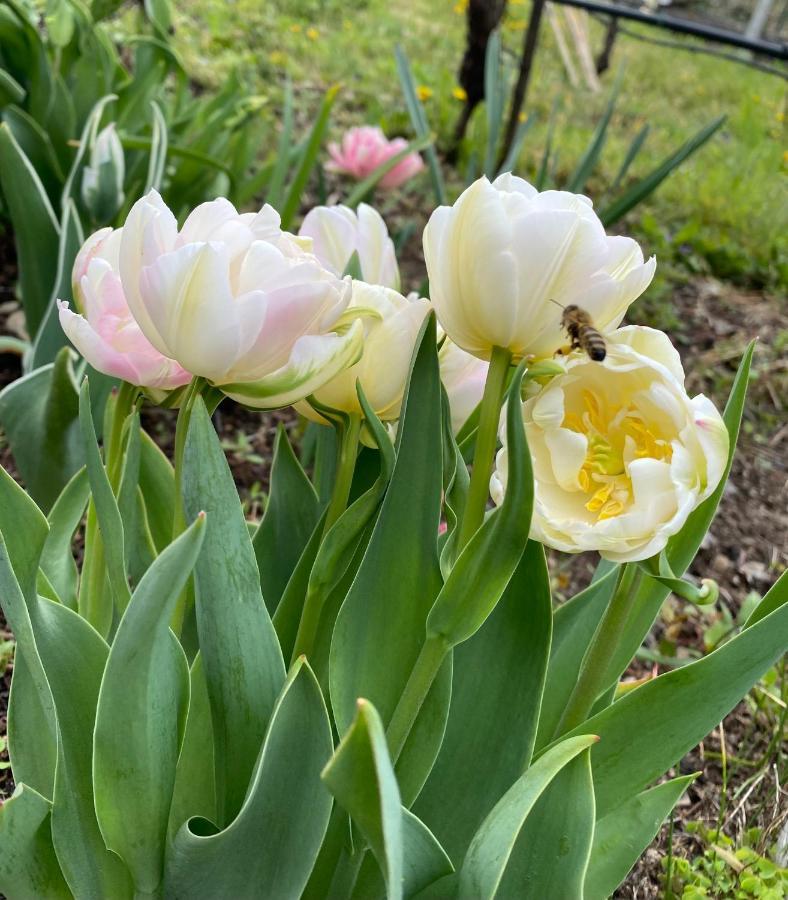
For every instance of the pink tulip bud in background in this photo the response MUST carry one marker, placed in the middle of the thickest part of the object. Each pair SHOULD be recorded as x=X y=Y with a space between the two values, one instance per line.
x=365 y=148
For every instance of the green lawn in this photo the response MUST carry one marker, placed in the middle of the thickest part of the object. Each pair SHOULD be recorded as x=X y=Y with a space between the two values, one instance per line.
x=723 y=212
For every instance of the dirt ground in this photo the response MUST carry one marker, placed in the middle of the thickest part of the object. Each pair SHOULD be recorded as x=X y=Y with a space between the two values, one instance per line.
x=745 y=550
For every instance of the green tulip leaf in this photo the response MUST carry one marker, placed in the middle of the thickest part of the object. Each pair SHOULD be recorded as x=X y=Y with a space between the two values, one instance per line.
x=773 y=599
x=482 y=571
x=243 y=663
x=28 y=866
x=649 y=729
x=484 y=868
x=38 y=414
x=497 y=685
x=380 y=628
x=157 y=483
x=141 y=715
x=289 y=520
x=194 y=793
x=36 y=229
x=625 y=832
x=32 y=739
x=36 y=144
x=57 y=560
x=270 y=847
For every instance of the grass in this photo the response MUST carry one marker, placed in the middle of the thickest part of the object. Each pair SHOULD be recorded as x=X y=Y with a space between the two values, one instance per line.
x=722 y=212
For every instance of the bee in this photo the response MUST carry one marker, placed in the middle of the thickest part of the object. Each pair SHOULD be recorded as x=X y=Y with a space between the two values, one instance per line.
x=578 y=325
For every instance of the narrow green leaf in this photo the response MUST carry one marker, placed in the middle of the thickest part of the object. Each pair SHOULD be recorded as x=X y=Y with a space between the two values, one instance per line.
x=484 y=867
x=624 y=833
x=141 y=708
x=243 y=663
x=483 y=569
x=293 y=196
x=11 y=91
x=510 y=163
x=418 y=120
x=774 y=598
x=272 y=844
x=57 y=560
x=36 y=230
x=290 y=517
x=107 y=512
x=649 y=729
x=632 y=151
x=493 y=99
x=380 y=628
x=88 y=136
x=577 y=180
x=638 y=192
x=28 y=866
x=497 y=685
x=36 y=144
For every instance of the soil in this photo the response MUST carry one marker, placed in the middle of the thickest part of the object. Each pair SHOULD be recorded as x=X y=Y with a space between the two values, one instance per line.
x=745 y=550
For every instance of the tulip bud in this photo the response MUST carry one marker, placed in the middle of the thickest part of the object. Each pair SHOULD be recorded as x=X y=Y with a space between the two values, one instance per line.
x=102 y=179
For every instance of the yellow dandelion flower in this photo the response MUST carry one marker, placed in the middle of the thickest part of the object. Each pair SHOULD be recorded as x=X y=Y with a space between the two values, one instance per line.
x=423 y=92
x=459 y=93
x=460 y=6
x=312 y=33
x=785 y=157
x=295 y=28
x=277 y=58
x=522 y=118
x=780 y=116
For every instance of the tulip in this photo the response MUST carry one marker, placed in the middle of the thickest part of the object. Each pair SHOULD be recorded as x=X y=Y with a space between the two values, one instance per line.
x=621 y=454
x=107 y=335
x=337 y=232
x=236 y=300
x=391 y=326
x=505 y=258
x=365 y=148
x=102 y=179
x=463 y=376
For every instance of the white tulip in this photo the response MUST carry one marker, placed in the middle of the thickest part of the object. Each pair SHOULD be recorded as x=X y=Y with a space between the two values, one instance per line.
x=391 y=325
x=337 y=232
x=237 y=301
x=621 y=454
x=505 y=258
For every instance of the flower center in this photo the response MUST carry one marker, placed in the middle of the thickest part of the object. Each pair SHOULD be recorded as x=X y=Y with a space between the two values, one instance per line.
x=616 y=436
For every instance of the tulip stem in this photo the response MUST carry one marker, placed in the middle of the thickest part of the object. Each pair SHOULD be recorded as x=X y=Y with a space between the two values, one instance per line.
x=486 y=442
x=348 y=433
x=591 y=681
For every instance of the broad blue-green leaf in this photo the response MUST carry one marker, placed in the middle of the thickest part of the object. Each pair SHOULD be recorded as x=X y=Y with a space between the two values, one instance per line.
x=625 y=832
x=57 y=560
x=63 y=637
x=28 y=867
x=774 y=598
x=38 y=414
x=495 y=699
x=158 y=149
x=158 y=491
x=243 y=663
x=290 y=518
x=271 y=846
x=361 y=777
x=36 y=144
x=380 y=628
x=24 y=530
x=483 y=569
x=32 y=742
x=51 y=337
x=485 y=864
x=682 y=547
x=649 y=729
x=36 y=229
x=88 y=136
x=194 y=793
x=550 y=858
x=574 y=623
x=141 y=717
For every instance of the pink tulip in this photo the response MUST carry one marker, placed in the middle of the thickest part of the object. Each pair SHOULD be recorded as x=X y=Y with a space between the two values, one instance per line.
x=365 y=148
x=107 y=334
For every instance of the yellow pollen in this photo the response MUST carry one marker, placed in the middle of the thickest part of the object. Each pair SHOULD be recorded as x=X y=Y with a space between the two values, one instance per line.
x=615 y=437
